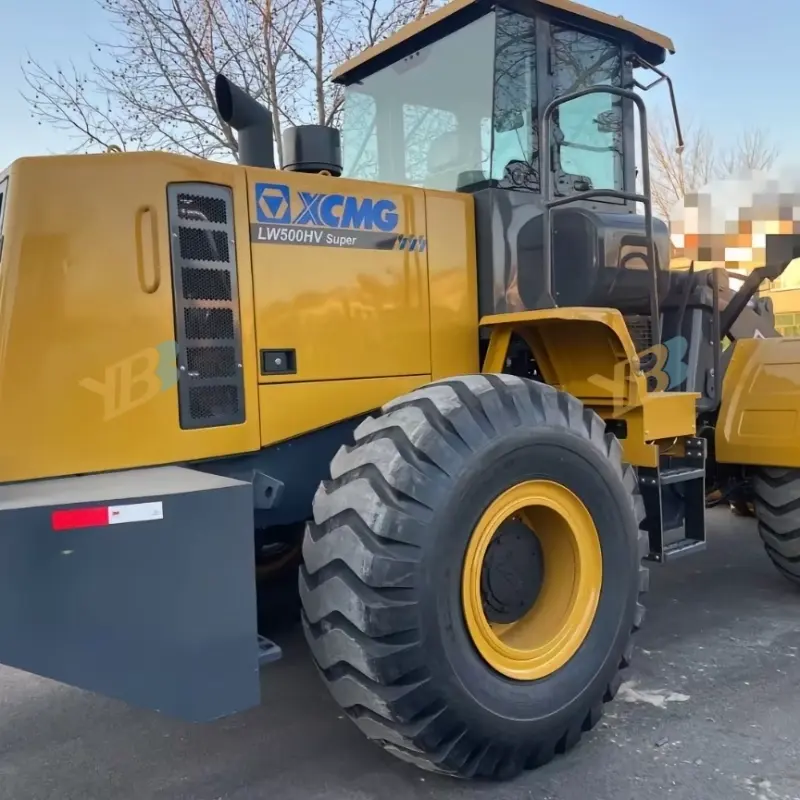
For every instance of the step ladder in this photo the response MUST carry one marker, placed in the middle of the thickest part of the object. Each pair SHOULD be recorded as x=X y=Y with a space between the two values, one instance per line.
x=674 y=496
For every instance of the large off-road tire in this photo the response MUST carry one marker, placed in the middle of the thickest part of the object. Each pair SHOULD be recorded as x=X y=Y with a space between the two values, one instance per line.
x=777 y=504
x=390 y=568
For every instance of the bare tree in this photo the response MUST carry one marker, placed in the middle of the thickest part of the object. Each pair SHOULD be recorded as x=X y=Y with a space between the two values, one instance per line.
x=675 y=174
x=153 y=87
x=752 y=152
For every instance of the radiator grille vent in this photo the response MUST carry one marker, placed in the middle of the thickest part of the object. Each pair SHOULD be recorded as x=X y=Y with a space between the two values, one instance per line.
x=211 y=402
x=206 y=284
x=199 y=244
x=210 y=384
x=208 y=323
x=212 y=362
x=202 y=208
x=641 y=331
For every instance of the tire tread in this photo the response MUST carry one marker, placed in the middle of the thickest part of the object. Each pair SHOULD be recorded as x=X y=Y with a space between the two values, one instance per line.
x=776 y=492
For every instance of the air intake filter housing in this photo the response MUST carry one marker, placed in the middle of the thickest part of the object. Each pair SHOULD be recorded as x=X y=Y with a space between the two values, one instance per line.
x=312 y=148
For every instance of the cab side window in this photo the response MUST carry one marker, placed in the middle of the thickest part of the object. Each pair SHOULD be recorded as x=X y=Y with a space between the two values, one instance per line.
x=515 y=134
x=587 y=131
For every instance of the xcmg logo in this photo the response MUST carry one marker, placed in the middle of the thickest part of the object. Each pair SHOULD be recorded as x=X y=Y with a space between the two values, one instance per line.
x=276 y=204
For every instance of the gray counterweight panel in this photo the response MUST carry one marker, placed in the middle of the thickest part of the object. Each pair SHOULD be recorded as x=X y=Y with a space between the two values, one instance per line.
x=158 y=612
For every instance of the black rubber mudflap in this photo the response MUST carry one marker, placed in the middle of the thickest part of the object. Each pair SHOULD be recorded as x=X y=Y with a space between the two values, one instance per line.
x=382 y=563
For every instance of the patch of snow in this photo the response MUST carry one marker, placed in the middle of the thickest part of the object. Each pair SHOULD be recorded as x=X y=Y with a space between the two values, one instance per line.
x=628 y=693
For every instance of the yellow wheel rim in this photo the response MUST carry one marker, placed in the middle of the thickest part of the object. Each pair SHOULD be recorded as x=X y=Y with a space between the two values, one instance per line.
x=547 y=635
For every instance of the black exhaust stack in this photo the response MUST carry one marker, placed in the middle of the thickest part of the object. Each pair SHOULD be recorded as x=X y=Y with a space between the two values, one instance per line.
x=250 y=119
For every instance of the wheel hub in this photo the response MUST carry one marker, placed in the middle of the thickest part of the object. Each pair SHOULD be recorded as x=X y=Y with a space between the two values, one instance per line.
x=512 y=573
x=531 y=580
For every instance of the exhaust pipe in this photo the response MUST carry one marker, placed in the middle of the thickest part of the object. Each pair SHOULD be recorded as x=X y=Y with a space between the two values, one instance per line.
x=251 y=120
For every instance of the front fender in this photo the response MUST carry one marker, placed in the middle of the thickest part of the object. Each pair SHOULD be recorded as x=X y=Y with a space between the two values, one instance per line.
x=589 y=353
x=759 y=420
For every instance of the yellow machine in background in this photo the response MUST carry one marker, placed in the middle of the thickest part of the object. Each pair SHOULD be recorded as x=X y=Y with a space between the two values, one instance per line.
x=785 y=296
x=439 y=353
x=728 y=223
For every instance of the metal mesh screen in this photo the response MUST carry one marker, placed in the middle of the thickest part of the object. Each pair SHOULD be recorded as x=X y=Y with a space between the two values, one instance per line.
x=202 y=208
x=641 y=331
x=203 y=245
x=210 y=384
x=206 y=284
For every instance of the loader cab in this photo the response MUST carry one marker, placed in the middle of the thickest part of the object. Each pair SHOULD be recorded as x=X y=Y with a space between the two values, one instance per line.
x=455 y=102
x=531 y=107
x=458 y=101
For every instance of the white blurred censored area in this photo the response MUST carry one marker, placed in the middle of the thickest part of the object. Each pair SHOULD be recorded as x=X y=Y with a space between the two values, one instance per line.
x=728 y=221
x=741 y=223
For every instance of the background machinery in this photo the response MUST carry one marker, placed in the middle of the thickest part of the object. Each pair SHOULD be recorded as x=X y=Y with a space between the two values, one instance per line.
x=460 y=358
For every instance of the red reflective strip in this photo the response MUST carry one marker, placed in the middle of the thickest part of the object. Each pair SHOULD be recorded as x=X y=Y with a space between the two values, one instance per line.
x=80 y=518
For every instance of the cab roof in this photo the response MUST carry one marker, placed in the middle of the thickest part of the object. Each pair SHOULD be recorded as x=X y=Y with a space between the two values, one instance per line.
x=649 y=44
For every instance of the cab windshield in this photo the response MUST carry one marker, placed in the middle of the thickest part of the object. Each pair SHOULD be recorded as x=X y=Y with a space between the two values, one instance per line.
x=418 y=122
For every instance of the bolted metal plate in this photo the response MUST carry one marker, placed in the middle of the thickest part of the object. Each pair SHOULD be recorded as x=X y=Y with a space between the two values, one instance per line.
x=512 y=573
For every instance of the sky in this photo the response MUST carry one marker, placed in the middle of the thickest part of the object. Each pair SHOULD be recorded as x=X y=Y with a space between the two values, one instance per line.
x=725 y=70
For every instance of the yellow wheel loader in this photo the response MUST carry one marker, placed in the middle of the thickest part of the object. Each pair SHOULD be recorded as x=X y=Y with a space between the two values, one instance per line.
x=438 y=359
